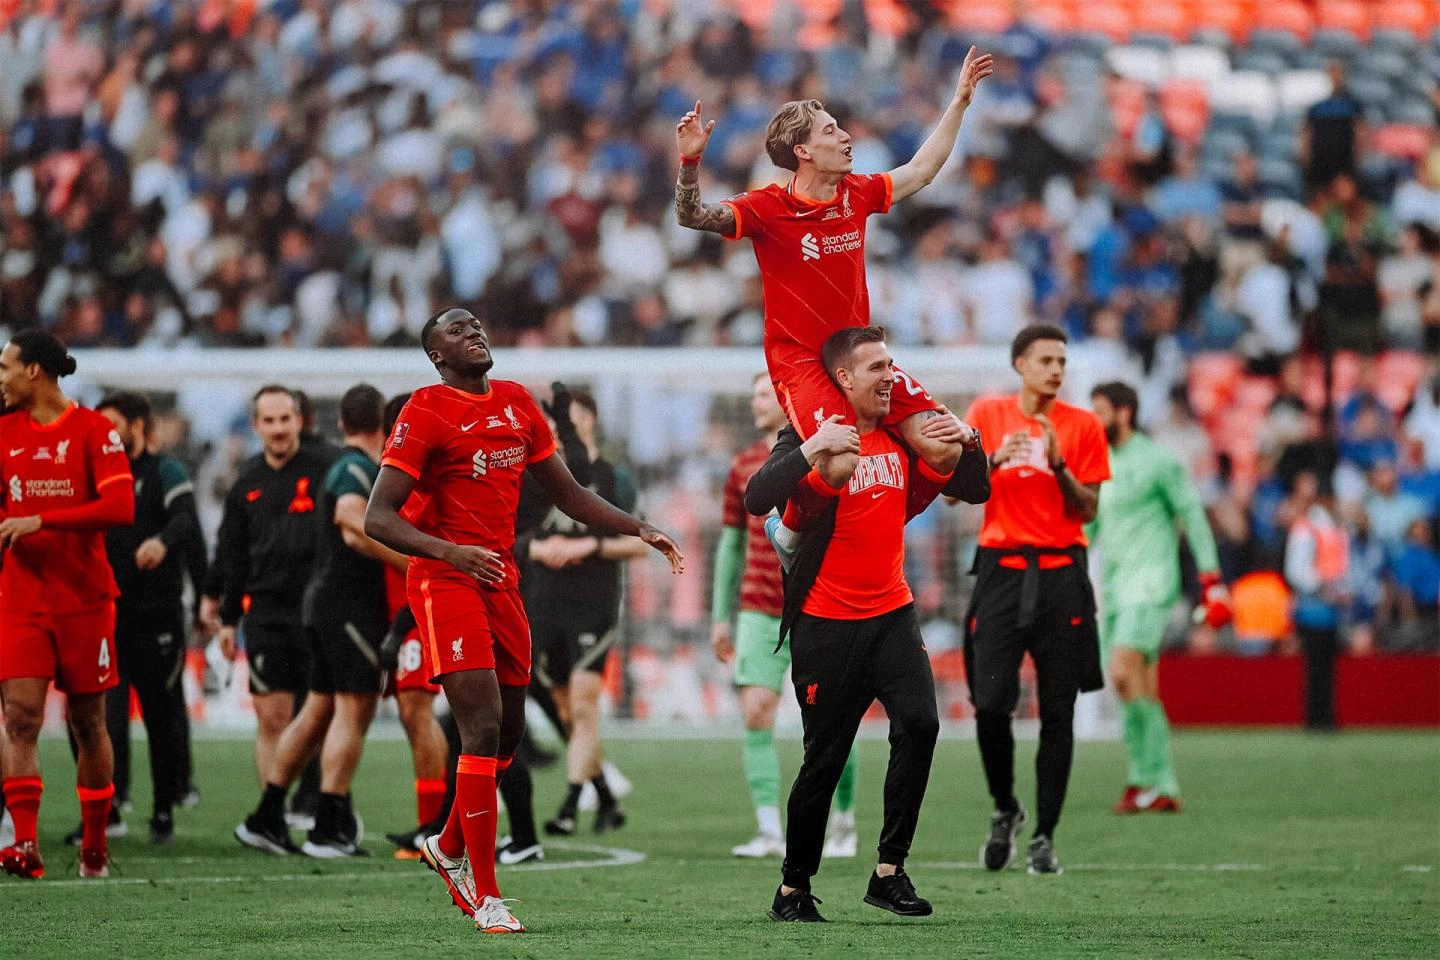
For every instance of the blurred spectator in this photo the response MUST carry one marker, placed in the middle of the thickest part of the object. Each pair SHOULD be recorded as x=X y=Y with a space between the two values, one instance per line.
x=1317 y=557
x=999 y=297
x=1368 y=591
x=1333 y=128
x=1391 y=510
x=1401 y=278
x=1186 y=191
x=1416 y=572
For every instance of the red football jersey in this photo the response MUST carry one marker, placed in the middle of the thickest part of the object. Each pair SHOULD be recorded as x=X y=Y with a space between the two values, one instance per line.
x=1026 y=507
x=863 y=573
x=812 y=259
x=468 y=453
x=58 y=465
x=761 y=586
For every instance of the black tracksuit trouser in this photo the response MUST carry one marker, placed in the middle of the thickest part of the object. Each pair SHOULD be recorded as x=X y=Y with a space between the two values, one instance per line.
x=839 y=668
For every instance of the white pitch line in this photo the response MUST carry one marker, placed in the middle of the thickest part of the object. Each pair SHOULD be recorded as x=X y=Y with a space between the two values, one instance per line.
x=614 y=857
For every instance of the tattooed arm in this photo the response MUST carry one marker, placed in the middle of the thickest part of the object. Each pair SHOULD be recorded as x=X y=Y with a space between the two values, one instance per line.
x=691 y=137
x=690 y=212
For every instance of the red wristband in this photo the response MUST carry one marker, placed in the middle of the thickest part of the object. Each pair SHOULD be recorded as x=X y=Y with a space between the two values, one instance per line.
x=689 y=161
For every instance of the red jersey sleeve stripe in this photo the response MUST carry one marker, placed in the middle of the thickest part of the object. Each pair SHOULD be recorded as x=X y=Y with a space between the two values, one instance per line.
x=930 y=473
x=889 y=192
x=113 y=478
x=544 y=454
x=739 y=231
x=400 y=465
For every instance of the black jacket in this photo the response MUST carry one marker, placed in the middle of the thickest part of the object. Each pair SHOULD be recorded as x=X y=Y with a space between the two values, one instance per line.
x=773 y=483
x=164 y=508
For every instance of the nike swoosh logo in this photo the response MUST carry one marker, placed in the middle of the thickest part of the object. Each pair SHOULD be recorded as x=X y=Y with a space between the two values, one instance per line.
x=103 y=677
x=466 y=428
x=806 y=213
x=876 y=495
x=479 y=813
x=16 y=453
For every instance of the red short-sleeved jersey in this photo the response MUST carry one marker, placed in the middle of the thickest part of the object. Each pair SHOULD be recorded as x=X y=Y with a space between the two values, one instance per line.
x=468 y=453
x=812 y=259
x=54 y=466
x=863 y=573
x=761 y=586
x=1026 y=507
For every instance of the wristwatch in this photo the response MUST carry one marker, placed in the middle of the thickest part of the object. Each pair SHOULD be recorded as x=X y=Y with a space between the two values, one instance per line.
x=1059 y=467
x=974 y=443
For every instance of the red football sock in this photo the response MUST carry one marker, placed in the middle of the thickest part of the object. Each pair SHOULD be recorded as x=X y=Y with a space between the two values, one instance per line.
x=452 y=838
x=94 y=814
x=475 y=796
x=22 y=799
x=429 y=794
x=791 y=517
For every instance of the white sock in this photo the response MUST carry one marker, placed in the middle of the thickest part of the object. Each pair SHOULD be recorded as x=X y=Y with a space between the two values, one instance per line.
x=787 y=538
x=769 y=820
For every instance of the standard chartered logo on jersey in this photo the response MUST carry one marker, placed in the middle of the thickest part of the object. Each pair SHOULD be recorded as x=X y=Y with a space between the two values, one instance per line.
x=812 y=247
x=483 y=462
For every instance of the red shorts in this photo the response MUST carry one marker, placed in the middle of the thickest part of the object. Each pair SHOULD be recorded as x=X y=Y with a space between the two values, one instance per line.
x=410 y=670
x=808 y=395
x=464 y=626
x=75 y=649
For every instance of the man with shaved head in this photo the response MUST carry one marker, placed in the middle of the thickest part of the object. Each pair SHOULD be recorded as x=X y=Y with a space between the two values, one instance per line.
x=446 y=496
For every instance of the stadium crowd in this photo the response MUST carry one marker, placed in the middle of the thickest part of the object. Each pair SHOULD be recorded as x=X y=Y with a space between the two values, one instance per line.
x=1204 y=205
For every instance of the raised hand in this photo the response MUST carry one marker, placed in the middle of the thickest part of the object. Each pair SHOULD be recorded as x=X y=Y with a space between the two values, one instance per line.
x=692 y=134
x=972 y=71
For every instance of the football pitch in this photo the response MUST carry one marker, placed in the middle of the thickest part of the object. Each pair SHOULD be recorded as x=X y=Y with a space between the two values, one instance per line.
x=1291 y=846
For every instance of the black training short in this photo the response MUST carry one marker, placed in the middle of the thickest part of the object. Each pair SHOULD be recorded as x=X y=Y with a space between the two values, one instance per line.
x=277 y=653
x=561 y=649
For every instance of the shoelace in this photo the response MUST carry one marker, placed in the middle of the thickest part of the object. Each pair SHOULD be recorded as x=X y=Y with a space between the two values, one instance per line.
x=800 y=896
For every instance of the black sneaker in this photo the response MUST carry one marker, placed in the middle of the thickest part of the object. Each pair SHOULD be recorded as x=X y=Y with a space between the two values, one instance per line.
x=1042 y=857
x=510 y=851
x=162 y=828
x=115 y=828
x=561 y=826
x=609 y=817
x=329 y=846
x=897 y=894
x=798 y=907
x=267 y=837
x=999 y=850
x=409 y=841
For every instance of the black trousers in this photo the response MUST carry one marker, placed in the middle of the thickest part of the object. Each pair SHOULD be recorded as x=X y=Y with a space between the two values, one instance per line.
x=839 y=668
x=150 y=648
x=1054 y=633
x=1319 y=647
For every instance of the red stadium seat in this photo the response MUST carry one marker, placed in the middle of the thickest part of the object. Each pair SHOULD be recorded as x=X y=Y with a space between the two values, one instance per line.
x=1352 y=16
x=986 y=16
x=1417 y=17
x=1234 y=18
x=1127 y=104
x=1173 y=20
x=1288 y=16
x=1109 y=18
x=888 y=18
x=1185 y=108
x=1055 y=16
x=1409 y=141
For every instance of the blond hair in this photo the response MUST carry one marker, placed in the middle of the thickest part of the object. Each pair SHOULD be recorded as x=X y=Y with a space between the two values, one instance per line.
x=789 y=128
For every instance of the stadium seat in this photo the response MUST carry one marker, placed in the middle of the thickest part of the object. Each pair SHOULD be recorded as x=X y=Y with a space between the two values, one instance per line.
x=985 y=16
x=1417 y=18
x=1106 y=18
x=1279 y=178
x=1390 y=64
x=1172 y=21
x=1246 y=93
x=1261 y=61
x=1407 y=141
x=1194 y=62
x=888 y=18
x=1222 y=23
x=1282 y=17
x=1343 y=18
x=1144 y=65
x=1052 y=16
x=1299 y=90
x=1279 y=143
x=1410 y=110
x=1333 y=44
x=1185 y=107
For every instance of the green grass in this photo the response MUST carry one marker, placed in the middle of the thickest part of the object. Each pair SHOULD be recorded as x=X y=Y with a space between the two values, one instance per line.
x=1292 y=846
